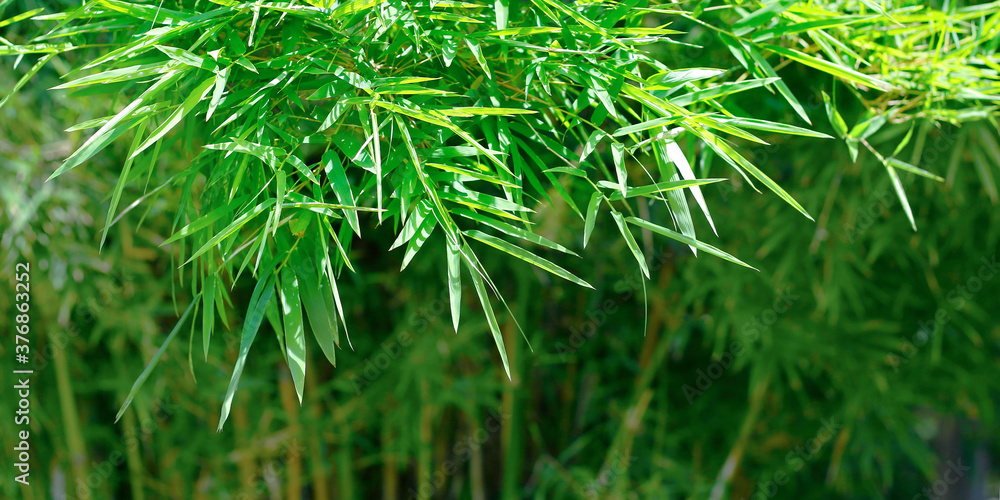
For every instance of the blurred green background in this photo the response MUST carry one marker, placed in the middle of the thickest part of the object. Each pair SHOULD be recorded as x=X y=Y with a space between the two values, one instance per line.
x=860 y=362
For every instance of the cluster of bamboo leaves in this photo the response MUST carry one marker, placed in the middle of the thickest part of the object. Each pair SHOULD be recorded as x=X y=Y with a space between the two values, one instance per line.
x=309 y=124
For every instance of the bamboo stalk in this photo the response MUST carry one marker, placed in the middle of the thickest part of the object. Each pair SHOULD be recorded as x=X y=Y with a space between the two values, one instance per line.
x=390 y=468
x=345 y=455
x=246 y=464
x=476 y=481
x=320 y=488
x=424 y=467
x=293 y=468
x=67 y=400
x=736 y=453
x=513 y=402
x=133 y=459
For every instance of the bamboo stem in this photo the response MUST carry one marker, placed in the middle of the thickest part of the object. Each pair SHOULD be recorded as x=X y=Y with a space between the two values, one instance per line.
x=736 y=453
x=246 y=464
x=390 y=468
x=134 y=460
x=345 y=456
x=67 y=402
x=425 y=450
x=513 y=401
x=293 y=469
x=320 y=488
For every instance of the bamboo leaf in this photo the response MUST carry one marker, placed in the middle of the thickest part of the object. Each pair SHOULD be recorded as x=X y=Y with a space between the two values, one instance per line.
x=687 y=240
x=454 y=282
x=897 y=185
x=321 y=318
x=295 y=334
x=491 y=319
x=630 y=242
x=526 y=256
x=153 y=361
x=262 y=294
x=592 y=209
x=193 y=99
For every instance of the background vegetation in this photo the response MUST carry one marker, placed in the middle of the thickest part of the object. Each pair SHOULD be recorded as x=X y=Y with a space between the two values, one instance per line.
x=859 y=359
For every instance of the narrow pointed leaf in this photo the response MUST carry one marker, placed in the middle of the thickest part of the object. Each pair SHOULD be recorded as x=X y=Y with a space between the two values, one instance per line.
x=153 y=361
x=687 y=240
x=262 y=294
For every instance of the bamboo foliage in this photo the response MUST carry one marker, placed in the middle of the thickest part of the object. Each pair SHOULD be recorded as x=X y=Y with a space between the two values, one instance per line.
x=452 y=123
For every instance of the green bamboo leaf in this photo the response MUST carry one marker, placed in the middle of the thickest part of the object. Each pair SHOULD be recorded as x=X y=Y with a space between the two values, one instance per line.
x=274 y=319
x=478 y=111
x=184 y=57
x=655 y=189
x=341 y=187
x=442 y=121
x=153 y=361
x=595 y=138
x=618 y=155
x=491 y=319
x=477 y=52
x=671 y=151
x=469 y=173
x=737 y=160
x=231 y=228
x=417 y=242
x=902 y=165
x=262 y=294
x=476 y=199
x=897 y=185
x=27 y=76
x=770 y=9
x=514 y=231
x=767 y=126
x=208 y=309
x=525 y=255
x=838 y=123
x=844 y=72
x=422 y=211
x=217 y=91
x=124 y=120
x=687 y=240
x=193 y=99
x=205 y=220
x=906 y=140
x=295 y=338
x=721 y=91
x=20 y=17
x=574 y=171
x=646 y=125
x=120 y=184
x=321 y=318
x=761 y=67
x=454 y=282
x=592 y=209
x=630 y=242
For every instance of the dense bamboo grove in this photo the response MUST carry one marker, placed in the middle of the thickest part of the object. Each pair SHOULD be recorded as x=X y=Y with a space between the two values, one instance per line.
x=500 y=250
